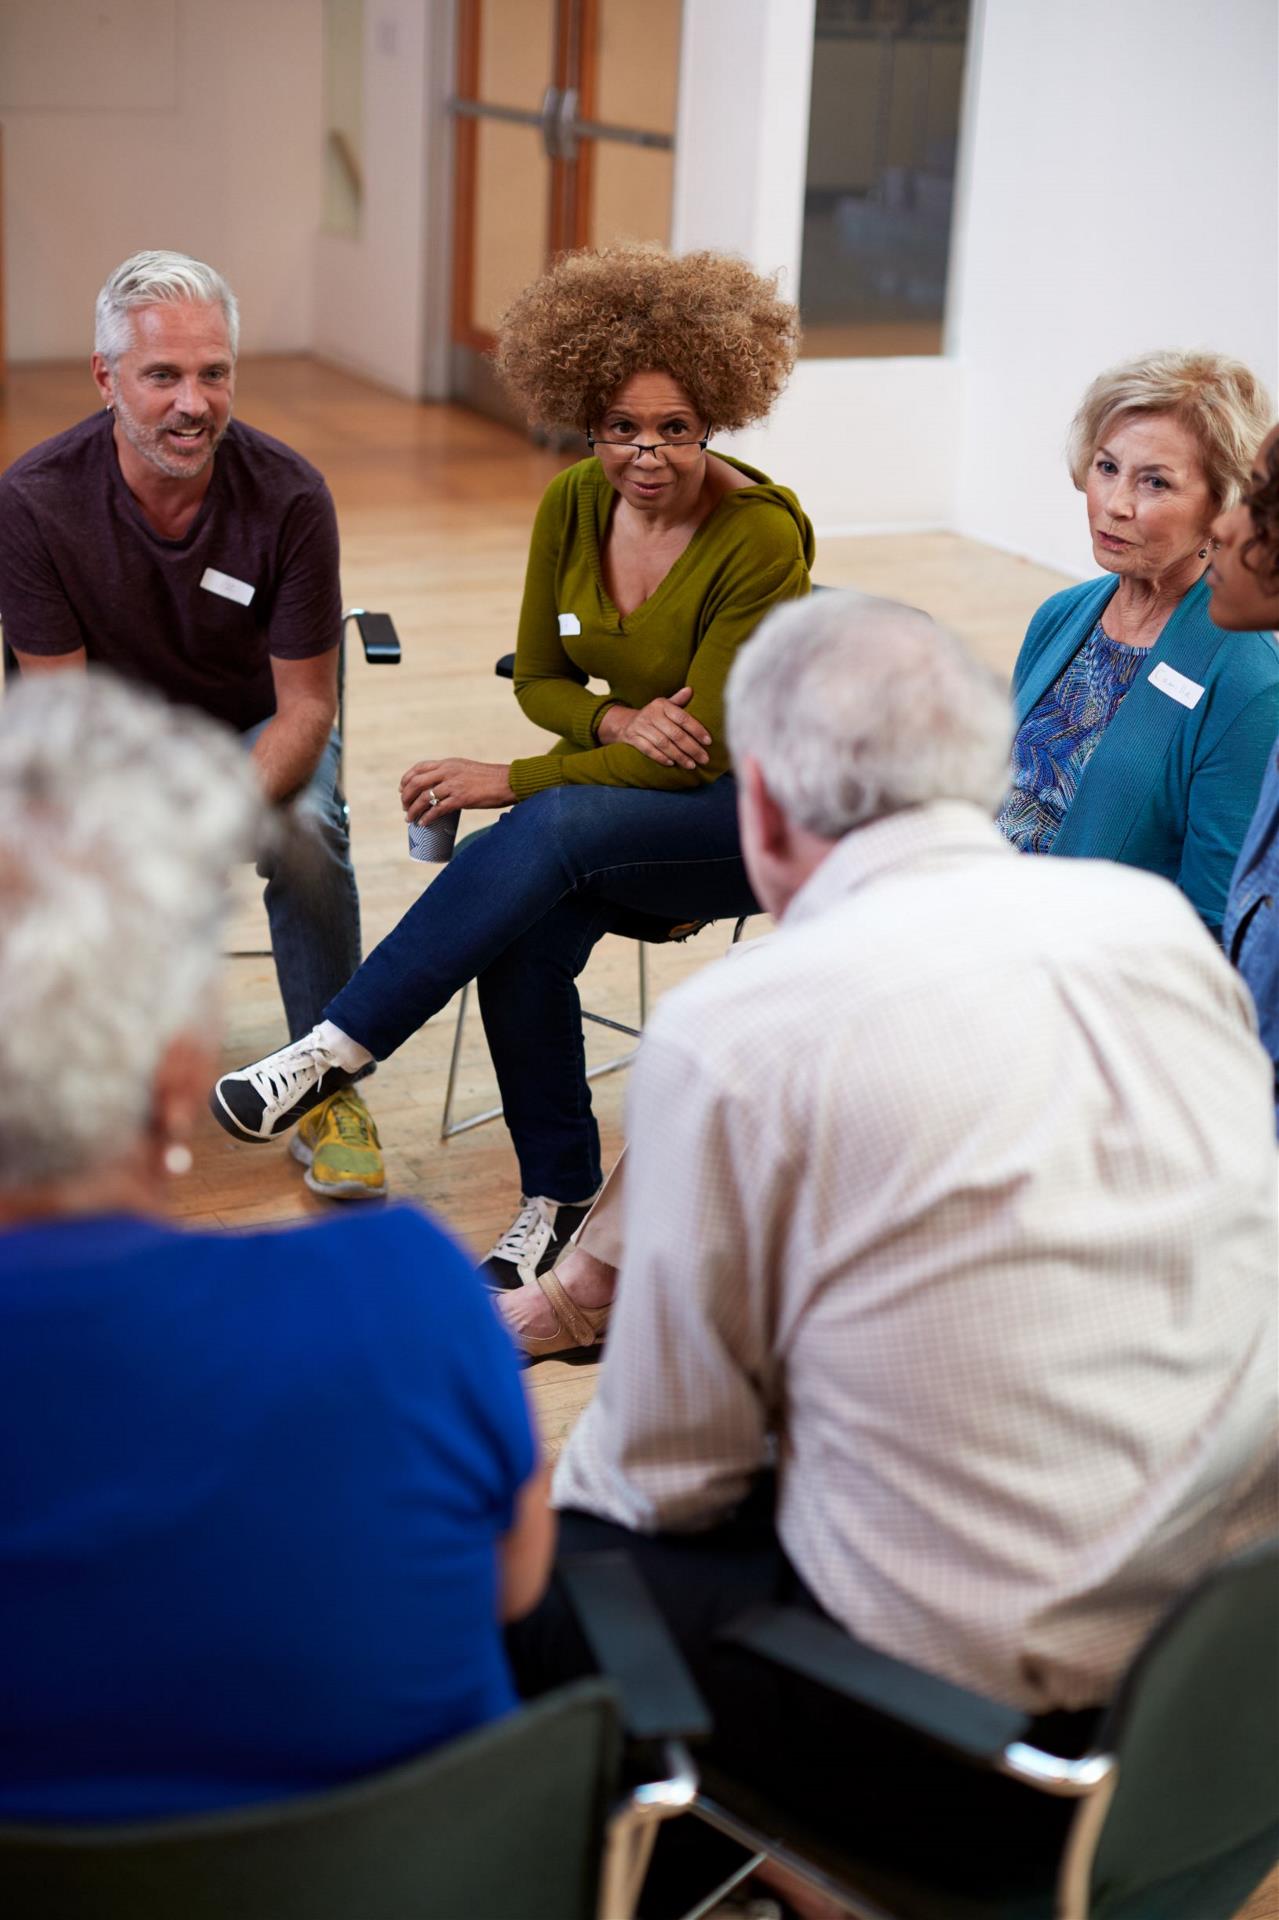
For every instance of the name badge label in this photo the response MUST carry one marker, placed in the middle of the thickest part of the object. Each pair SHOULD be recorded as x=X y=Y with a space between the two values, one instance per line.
x=227 y=585
x=1175 y=685
x=569 y=623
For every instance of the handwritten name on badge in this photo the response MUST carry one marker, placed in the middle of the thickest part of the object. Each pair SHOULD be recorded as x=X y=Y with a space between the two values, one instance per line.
x=1175 y=684
x=569 y=623
x=227 y=585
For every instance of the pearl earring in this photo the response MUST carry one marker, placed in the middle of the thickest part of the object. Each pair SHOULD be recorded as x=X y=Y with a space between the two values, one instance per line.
x=178 y=1158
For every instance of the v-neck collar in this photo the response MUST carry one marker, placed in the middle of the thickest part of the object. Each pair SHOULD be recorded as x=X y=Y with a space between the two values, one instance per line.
x=604 y=505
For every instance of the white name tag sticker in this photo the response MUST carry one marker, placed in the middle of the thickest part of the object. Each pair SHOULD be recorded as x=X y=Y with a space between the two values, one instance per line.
x=1175 y=685
x=227 y=585
x=569 y=623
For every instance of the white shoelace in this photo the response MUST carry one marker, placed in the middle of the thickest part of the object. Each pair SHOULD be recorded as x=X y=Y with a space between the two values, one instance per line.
x=528 y=1236
x=279 y=1078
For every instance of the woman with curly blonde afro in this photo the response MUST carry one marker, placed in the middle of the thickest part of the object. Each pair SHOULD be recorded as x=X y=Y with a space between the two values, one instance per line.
x=652 y=561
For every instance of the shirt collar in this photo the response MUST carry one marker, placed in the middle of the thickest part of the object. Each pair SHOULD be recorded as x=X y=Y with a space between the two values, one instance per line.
x=917 y=837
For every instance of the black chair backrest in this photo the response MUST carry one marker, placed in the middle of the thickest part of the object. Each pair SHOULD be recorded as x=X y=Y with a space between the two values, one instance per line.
x=1194 y=1822
x=507 y=1821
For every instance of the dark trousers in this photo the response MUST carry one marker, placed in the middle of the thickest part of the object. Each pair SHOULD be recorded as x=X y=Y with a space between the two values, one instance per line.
x=518 y=909
x=311 y=901
x=827 y=1764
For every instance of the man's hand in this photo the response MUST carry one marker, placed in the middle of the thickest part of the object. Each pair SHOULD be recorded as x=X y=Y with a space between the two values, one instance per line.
x=662 y=730
x=455 y=784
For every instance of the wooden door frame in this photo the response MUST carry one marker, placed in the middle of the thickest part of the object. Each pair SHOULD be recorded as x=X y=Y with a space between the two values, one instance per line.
x=571 y=182
x=569 y=189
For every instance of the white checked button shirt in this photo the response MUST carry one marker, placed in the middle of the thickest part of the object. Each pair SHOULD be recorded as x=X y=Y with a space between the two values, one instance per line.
x=960 y=1190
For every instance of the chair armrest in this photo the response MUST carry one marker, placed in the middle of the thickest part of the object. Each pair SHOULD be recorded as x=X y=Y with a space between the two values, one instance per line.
x=505 y=667
x=377 y=632
x=967 y=1723
x=633 y=1647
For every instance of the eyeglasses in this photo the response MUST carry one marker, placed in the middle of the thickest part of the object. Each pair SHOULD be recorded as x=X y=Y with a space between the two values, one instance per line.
x=673 y=449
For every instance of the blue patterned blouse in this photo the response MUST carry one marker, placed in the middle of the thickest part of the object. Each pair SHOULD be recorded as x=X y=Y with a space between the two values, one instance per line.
x=1057 y=738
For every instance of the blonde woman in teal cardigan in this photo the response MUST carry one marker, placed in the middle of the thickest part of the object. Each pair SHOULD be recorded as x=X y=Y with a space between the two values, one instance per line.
x=652 y=561
x=1142 y=729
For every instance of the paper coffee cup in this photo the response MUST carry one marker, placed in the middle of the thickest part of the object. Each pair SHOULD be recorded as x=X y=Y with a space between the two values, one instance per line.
x=434 y=842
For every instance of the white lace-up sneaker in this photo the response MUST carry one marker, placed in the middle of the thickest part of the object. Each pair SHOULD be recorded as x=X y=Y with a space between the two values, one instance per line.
x=265 y=1099
x=533 y=1241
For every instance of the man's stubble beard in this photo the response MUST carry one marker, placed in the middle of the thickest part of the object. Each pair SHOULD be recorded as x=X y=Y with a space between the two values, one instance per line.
x=147 y=443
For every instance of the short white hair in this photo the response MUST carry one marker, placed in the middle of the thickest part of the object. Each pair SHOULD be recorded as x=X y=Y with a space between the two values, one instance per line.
x=119 y=819
x=150 y=279
x=856 y=707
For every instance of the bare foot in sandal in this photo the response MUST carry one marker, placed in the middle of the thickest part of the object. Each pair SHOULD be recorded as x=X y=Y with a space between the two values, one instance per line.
x=531 y=1312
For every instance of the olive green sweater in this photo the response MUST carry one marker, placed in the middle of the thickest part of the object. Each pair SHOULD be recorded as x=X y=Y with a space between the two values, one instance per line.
x=755 y=549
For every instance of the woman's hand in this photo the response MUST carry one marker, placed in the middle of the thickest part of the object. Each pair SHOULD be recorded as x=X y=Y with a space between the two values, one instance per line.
x=662 y=730
x=433 y=788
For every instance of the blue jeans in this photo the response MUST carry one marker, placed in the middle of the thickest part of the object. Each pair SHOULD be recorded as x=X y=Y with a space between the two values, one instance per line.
x=310 y=897
x=518 y=909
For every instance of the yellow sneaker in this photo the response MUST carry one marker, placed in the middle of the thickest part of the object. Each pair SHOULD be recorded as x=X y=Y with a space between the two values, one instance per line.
x=337 y=1143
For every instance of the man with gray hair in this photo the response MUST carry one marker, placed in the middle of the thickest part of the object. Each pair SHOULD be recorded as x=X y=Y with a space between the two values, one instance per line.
x=955 y=1198
x=181 y=548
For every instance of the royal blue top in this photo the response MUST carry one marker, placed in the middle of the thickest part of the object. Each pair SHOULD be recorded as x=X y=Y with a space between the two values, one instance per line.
x=251 y=1489
x=1057 y=738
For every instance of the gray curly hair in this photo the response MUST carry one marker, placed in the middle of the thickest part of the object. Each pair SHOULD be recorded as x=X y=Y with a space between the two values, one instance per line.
x=119 y=819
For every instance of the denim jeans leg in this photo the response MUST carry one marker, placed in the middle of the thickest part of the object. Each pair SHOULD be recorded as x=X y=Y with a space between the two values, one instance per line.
x=311 y=900
x=533 y=1022
x=676 y=849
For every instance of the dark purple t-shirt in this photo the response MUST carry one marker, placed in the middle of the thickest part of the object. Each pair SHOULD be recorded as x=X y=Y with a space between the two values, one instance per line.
x=80 y=566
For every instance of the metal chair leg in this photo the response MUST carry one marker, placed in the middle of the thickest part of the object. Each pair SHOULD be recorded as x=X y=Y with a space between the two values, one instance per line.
x=449 y=1127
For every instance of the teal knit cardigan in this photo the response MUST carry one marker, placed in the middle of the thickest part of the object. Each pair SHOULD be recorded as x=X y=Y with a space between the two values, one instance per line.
x=1169 y=787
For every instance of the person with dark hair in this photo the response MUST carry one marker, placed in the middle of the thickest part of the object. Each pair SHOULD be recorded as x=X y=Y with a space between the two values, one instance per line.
x=1243 y=580
x=652 y=562
x=1142 y=734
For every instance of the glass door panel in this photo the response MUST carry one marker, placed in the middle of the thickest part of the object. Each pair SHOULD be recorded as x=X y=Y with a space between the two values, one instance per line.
x=637 y=63
x=511 y=217
x=629 y=86
x=516 y=52
x=564 y=129
x=630 y=197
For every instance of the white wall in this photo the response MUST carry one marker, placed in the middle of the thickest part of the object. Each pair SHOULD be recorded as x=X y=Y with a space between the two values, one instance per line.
x=865 y=443
x=166 y=123
x=1123 y=194
x=868 y=445
x=378 y=310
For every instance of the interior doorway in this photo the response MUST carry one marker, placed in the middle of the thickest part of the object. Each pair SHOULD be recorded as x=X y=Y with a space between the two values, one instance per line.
x=564 y=136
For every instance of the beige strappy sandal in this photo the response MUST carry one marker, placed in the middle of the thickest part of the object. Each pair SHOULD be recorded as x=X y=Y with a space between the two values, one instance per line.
x=578 y=1326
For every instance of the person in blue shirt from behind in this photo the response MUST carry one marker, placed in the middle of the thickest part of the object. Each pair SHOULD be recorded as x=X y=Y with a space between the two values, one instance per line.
x=265 y=1499
x=1244 y=582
